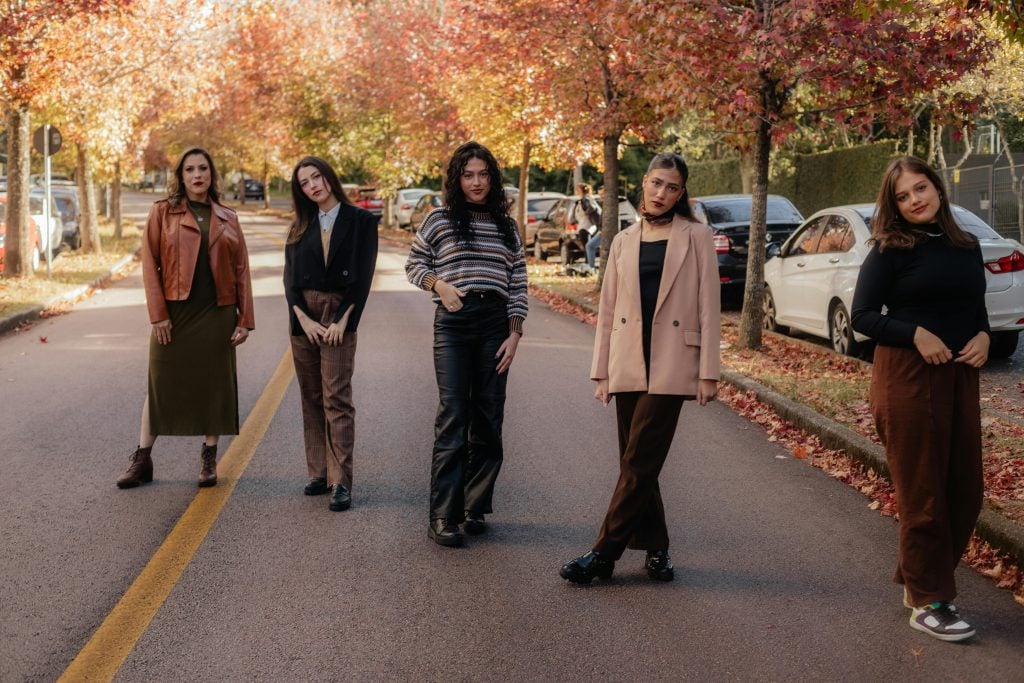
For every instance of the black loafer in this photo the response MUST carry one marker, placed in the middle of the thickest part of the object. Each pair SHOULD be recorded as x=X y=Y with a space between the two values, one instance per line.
x=659 y=565
x=586 y=568
x=341 y=499
x=316 y=487
x=475 y=523
x=444 y=533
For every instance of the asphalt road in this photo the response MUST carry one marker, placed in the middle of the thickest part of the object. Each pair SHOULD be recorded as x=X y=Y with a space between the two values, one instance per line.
x=782 y=572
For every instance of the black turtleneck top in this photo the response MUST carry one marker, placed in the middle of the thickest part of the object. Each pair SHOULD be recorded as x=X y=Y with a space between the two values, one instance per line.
x=934 y=285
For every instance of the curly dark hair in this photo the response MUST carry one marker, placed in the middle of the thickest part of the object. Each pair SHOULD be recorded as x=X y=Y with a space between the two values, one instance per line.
x=176 y=192
x=888 y=227
x=456 y=209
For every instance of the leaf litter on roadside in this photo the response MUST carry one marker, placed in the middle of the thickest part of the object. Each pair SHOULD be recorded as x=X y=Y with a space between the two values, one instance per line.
x=837 y=386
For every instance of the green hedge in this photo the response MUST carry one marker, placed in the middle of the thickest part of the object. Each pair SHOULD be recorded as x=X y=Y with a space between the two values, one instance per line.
x=714 y=177
x=811 y=181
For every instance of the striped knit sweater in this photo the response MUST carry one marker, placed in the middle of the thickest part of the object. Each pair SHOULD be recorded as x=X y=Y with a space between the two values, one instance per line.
x=485 y=264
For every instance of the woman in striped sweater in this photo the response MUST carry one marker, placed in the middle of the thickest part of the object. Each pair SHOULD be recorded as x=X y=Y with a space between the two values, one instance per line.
x=469 y=255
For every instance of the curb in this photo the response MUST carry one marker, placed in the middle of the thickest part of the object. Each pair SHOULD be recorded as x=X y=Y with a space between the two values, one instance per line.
x=992 y=527
x=10 y=322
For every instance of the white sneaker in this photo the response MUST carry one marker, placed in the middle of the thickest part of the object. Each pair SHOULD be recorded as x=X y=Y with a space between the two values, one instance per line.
x=941 y=620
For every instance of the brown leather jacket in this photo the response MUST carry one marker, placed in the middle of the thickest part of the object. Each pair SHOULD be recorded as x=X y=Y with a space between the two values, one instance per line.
x=170 y=248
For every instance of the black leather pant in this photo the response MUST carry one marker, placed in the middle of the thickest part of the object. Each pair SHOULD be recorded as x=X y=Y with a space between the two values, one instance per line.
x=467 y=431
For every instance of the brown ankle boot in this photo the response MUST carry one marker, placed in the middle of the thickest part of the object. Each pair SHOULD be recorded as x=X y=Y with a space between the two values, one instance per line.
x=140 y=469
x=208 y=473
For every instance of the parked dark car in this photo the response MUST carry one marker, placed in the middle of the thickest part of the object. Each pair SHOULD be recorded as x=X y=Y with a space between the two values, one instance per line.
x=557 y=231
x=728 y=216
x=425 y=205
x=253 y=189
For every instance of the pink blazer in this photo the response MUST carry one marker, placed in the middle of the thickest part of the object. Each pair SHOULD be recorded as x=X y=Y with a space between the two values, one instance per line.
x=686 y=330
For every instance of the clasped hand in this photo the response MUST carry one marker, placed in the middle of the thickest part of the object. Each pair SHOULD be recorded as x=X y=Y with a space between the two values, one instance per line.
x=316 y=333
x=935 y=352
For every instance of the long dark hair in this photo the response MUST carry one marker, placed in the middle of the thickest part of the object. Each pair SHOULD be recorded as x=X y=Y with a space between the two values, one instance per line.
x=890 y=229
x=176 y=192
x=672 y=160
x=305 y=208
x=456 y=209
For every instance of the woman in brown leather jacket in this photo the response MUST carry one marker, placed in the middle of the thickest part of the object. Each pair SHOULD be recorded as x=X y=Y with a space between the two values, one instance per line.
x=195 y=267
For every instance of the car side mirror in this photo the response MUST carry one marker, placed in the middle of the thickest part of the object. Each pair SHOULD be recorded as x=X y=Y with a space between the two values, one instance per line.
x=774 y=249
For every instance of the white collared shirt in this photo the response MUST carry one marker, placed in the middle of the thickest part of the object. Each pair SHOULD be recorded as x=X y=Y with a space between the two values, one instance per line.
x=327 y=219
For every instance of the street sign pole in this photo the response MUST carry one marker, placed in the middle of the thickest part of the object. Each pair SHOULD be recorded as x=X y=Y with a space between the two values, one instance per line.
x=46 y=198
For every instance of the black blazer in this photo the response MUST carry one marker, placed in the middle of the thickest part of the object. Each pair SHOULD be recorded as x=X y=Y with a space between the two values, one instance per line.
x=351 y=259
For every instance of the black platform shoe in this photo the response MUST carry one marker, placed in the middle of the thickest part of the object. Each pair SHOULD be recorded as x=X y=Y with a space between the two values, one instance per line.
x=444 y=533
x=659 y=565
x=586 y=567
x=475 y=524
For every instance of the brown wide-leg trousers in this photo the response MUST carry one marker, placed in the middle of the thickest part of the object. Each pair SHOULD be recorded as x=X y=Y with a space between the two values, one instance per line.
x=324 y=374
x=636 y=515
x=929 y=420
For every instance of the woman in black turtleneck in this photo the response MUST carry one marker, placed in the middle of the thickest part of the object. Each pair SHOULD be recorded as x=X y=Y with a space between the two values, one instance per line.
x=657 y=344
x=933 y=337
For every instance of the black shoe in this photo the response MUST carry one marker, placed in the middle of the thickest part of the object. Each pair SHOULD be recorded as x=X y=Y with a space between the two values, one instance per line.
x=586 y=567
x=317 y=486
x=475 y=523
x=341 y=499
x=444 y=533
x=659 y=565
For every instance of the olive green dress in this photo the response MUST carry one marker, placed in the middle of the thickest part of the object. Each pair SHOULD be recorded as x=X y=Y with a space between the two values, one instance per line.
x=193 y=388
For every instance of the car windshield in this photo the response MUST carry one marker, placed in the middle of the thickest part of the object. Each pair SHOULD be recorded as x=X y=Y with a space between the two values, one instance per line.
x=964 y=218
x=974 y=225
x=738 y=210
x=540 y=205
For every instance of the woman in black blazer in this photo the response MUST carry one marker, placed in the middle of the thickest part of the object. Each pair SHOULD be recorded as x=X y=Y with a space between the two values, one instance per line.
x=329 y=259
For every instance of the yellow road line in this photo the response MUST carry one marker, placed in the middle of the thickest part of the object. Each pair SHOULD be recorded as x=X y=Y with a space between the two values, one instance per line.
x=114 y=640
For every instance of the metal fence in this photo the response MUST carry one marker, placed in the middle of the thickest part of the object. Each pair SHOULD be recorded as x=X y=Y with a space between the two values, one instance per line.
x=992 y=194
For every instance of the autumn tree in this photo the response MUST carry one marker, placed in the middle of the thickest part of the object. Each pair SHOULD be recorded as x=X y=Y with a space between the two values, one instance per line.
x=761 y=66
x=31 y=61
x=584 y=60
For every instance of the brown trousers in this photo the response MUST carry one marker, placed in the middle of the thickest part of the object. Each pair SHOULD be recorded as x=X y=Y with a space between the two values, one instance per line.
x=636 y=515
x=929 y=419
x=324 y=374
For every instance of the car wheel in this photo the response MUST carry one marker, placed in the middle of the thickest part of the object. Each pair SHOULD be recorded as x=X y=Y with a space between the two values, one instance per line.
x=565 y=253
x=538 y=251
x=841 y=331
x=76 y=241
x=770 y=313
x=1004 y=344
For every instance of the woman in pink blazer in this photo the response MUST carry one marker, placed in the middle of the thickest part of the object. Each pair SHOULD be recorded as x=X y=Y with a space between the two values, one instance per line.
x=657 y=345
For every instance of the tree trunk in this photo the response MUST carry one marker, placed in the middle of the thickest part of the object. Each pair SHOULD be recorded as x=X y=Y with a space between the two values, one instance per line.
x=89 y=220
x=116 y=200
x=747 y=164
x=752 y=315
x=241 y=185
x=266 y=182
x=577 y=176
x=610 y=203
x=941 y=155
x=18 y=256
x=524 y=187
x=910 y=141
x=967 y=148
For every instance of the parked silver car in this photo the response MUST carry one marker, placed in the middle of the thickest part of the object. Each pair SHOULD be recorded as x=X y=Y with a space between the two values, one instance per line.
x=404 y=202
x=810 y=280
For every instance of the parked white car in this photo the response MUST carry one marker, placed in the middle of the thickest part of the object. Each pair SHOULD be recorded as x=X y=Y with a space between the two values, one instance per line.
x=404 y=202
x=810 y=280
